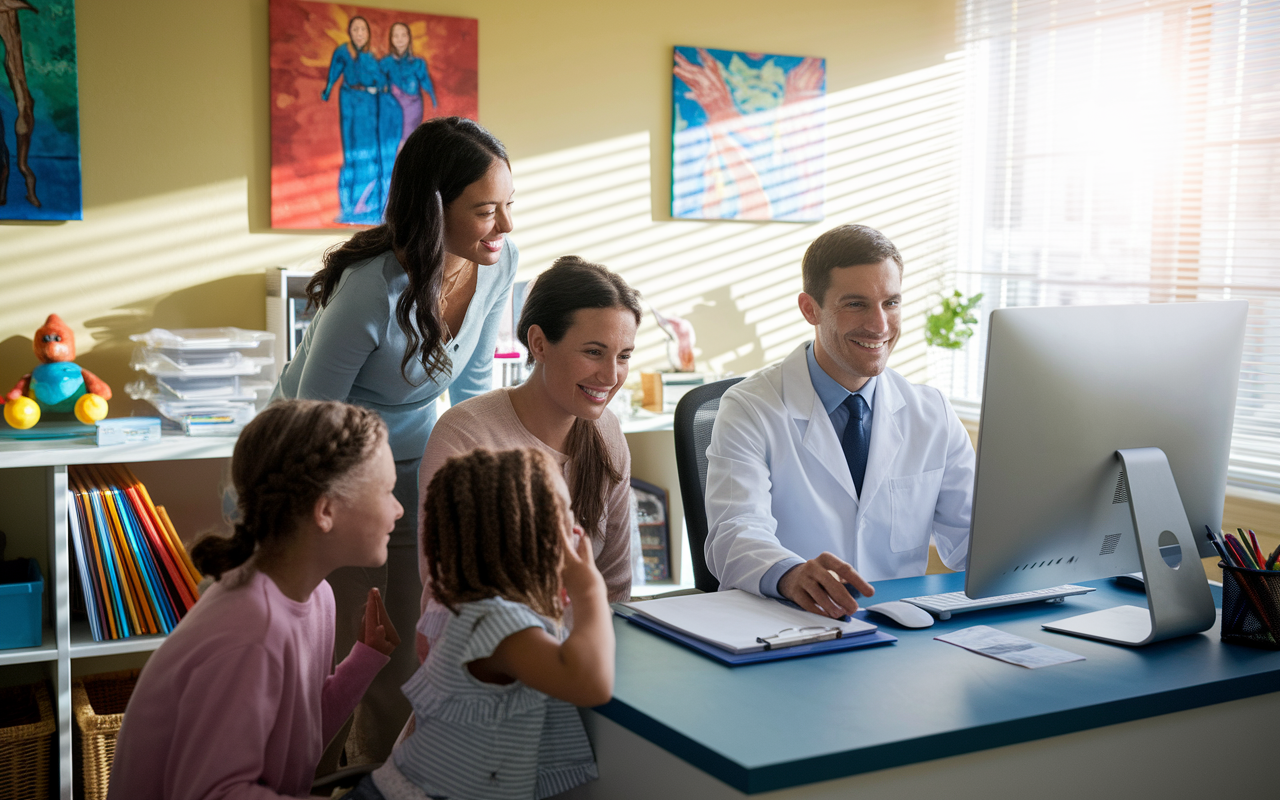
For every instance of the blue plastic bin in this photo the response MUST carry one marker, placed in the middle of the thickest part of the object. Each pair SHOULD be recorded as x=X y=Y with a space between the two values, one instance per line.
x=20 y=605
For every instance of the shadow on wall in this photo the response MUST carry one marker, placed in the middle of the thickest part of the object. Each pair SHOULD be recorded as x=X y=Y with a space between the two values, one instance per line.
x=19 y=358
x=233 y=301
x=731 y=344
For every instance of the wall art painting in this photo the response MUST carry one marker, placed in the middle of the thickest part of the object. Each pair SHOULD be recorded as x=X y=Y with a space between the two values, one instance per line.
x=748 y=135
x=39 y=111
x=348 y=86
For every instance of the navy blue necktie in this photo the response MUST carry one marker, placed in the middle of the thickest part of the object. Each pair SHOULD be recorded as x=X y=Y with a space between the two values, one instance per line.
x=857 y=438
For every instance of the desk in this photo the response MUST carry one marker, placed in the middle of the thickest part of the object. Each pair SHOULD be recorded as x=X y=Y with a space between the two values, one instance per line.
x=1123 y=722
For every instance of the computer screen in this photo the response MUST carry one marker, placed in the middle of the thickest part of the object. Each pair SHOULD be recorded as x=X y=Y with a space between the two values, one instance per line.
x=1066 y=387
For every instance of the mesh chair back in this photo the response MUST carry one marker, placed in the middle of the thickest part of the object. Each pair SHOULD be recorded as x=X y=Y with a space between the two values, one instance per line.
x=695 y=415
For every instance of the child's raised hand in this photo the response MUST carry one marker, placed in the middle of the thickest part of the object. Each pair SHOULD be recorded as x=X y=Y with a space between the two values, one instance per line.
x=378 y=631
x=579 y=575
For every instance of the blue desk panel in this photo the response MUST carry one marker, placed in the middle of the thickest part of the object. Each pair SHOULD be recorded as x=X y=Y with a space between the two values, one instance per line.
x=788 y=723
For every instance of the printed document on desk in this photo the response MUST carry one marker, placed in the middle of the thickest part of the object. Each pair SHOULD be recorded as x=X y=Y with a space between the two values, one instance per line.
x=741 y=622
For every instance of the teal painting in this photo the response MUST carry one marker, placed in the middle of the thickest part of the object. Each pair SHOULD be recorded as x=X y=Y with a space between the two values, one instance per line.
x=748 y=135
x=39 y=111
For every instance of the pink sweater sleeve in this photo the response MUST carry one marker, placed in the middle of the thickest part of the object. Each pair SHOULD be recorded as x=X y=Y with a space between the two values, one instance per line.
x=348 y=683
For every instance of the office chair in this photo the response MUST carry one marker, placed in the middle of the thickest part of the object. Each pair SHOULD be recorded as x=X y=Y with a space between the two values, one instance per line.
x=695 y=414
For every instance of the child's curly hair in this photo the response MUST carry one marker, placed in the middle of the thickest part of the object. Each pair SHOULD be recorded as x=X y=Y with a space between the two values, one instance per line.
x=285 y=459
x=494 y=527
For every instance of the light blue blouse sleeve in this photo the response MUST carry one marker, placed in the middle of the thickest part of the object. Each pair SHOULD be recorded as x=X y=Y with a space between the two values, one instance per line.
x=476 y=377
x=350 y=328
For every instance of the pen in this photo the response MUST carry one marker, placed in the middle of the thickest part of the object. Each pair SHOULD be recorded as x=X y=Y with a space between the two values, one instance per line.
x=1217 y=546
x=1220 y=546
x=1257 y=551
x=1271 y=560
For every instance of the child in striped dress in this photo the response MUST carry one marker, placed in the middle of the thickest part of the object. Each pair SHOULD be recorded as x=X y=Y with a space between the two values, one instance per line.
x=494 y=701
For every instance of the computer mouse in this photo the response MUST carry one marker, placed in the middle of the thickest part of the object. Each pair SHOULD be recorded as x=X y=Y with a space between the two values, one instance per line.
x=905 y=614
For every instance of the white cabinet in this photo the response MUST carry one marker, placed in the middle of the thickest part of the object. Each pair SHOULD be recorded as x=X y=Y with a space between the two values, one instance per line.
x=33 y=506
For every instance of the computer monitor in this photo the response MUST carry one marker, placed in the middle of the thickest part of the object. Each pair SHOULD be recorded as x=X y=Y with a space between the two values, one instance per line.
x=1073 y=396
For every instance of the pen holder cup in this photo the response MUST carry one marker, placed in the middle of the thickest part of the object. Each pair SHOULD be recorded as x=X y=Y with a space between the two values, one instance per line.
x=1251 y=607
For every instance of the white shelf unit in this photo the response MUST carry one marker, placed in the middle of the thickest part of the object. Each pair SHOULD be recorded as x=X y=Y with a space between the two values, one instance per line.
x=64 y=641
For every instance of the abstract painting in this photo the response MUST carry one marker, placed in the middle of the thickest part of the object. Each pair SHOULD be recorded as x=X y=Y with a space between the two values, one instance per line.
x=747 y=135
x=39 y=111
x=348 y=86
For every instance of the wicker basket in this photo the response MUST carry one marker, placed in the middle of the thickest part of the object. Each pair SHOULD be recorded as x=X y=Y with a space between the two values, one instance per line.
x=97 y=703
x=27 y=727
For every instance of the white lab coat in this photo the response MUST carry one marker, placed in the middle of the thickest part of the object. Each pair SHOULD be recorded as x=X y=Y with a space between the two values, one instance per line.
x=778 y=484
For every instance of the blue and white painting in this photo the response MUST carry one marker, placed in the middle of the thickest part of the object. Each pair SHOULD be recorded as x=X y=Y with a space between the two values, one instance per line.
x=748 y=135
x=39 y=111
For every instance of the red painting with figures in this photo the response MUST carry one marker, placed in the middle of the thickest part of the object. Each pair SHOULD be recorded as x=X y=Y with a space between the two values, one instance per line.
x=348 y=86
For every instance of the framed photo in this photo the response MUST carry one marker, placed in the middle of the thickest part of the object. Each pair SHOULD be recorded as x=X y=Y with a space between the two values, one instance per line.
x=748 y=135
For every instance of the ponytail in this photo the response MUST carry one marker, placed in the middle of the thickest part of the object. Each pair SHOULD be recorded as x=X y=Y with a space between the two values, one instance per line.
x=214 y=555
x=592 y=474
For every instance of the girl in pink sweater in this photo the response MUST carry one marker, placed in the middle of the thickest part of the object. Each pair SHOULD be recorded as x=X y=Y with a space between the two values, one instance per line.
x=242 y=697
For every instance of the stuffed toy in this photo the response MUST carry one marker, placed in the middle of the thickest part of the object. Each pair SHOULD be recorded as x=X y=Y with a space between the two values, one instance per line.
x=58 y=384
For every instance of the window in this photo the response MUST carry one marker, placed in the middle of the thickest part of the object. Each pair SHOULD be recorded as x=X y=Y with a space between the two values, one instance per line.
x=1126 y=152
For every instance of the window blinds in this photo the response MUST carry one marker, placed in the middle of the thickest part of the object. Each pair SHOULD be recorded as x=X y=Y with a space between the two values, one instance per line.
x=1119 y=152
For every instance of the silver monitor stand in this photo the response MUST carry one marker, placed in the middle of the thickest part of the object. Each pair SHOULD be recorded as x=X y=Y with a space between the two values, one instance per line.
x=1178 y=597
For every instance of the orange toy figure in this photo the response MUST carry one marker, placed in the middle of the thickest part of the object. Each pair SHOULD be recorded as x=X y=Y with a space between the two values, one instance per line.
x=58 y=384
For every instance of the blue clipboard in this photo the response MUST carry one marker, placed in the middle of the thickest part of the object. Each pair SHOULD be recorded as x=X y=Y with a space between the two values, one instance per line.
x=871 y=639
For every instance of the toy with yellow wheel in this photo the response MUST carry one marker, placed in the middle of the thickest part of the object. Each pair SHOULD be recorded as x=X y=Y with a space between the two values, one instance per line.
x=57 y=384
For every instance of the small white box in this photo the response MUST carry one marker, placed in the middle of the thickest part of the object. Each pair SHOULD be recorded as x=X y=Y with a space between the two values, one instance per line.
x=128 y=430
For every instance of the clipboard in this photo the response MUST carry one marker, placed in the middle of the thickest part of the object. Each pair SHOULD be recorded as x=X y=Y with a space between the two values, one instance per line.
x=869 y=639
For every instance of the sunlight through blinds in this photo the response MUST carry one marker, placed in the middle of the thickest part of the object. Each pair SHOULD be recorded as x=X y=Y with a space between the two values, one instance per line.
x=1127 y=152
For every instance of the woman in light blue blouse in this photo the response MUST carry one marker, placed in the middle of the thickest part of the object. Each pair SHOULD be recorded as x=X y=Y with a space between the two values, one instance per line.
x=407 y=310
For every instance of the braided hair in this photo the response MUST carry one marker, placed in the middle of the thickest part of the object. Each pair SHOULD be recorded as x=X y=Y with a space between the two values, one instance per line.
x=290 y=455
x=494 y=528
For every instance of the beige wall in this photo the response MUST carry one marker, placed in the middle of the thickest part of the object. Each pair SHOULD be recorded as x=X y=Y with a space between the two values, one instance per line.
x=176 y=160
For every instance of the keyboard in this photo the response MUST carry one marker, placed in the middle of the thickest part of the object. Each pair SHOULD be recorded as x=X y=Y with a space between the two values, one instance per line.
x=943 y=606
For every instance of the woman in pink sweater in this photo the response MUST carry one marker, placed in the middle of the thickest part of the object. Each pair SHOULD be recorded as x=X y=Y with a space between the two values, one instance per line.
x=579 y=324
x=241 y=699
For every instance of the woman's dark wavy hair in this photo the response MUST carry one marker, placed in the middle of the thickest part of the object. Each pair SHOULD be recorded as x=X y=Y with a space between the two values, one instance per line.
x=440 y=159
x=568 y=285
x=285 y=459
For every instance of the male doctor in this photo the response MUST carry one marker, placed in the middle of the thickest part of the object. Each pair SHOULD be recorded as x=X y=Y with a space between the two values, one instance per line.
x=829 y=468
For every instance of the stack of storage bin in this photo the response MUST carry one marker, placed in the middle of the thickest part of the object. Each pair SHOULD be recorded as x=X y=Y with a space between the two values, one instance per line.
x=204 y=381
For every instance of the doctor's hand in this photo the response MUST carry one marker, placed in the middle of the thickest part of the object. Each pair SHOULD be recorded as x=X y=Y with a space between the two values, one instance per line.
x=817 y=585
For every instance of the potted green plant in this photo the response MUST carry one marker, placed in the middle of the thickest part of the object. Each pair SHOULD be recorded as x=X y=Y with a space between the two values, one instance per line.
x=951 y=325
